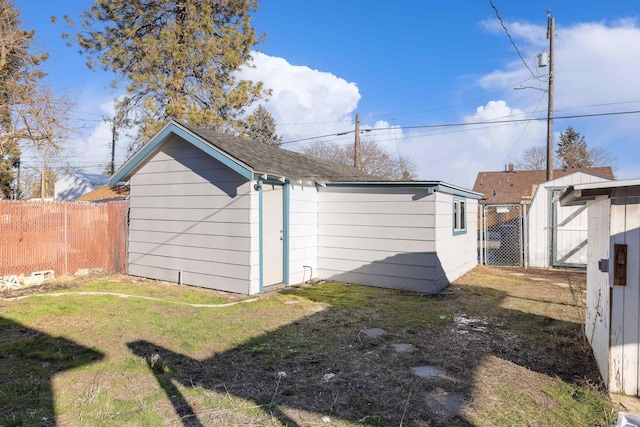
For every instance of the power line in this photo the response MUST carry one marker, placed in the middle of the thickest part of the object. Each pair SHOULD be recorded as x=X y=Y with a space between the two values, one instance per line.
x=447 y=125
x=520 y=137
x=511 y=39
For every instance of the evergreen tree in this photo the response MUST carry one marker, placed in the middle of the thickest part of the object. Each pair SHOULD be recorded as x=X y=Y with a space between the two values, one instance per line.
x=177 y=58
x=261 y=127
x=572 y=150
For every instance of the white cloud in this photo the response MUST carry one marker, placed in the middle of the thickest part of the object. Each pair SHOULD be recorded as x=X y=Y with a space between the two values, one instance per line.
x=304 y=102
x=457 y=154
x=595 y=63
x=595 y=71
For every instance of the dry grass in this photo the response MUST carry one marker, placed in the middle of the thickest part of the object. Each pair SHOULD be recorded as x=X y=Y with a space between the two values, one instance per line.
x=510 y=348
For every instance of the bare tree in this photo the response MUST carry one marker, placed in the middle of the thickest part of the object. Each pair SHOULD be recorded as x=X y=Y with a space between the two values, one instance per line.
x=535 y=158
x=374 y=159
x=31 y=114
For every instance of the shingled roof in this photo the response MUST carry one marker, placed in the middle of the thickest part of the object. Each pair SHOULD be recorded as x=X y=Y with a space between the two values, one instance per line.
x=514 y=186
x=279 y=161
x=106 y=193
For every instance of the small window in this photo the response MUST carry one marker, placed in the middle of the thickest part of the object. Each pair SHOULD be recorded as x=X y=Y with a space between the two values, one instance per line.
x=459 y=216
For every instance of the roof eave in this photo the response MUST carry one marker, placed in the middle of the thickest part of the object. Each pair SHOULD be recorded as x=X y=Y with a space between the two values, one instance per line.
x=431 y=186
x=129 y=167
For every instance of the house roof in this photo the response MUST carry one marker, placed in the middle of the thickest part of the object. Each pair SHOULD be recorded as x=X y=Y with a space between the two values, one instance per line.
x=514 y=186
x=247 y=157
x=118 y=192
x=261 y=161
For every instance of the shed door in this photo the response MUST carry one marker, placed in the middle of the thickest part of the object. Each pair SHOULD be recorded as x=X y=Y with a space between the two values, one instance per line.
x=272 y=234
x=569 y=234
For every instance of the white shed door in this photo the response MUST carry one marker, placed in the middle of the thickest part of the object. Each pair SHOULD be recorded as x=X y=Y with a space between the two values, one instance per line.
x=569 y=236
x=272 y=234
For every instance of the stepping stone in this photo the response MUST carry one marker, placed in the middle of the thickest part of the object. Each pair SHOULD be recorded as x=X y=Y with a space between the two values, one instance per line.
x=374 y=332
x=401 y=347
x=517 y=274
x=445 y=404
x=427 y=371
x=292 y=302
x=538 y=279
x=562 y=285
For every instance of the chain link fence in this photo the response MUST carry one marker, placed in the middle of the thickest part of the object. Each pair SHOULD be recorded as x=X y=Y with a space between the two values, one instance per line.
x=501 y=236
x=62 y=236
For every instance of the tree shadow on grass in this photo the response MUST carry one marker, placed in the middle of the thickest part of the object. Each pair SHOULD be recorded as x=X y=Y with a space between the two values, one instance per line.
x=29 y=359
x=324 y=365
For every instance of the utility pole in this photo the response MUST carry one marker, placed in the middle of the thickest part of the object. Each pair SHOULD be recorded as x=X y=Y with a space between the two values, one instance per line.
x=356 y=147
x=112 y=169
x=551 y=28
x=42 y=178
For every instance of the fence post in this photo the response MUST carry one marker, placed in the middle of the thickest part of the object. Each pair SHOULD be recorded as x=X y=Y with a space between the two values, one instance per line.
x=66 y=240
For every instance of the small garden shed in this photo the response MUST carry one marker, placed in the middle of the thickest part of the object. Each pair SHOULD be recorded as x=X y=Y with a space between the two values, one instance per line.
x=216 y=211
x=551 y=235
x=612 y=324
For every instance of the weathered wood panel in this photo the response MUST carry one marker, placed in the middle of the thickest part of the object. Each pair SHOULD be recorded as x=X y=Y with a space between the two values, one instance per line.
x=598 y=312
x=625 y=328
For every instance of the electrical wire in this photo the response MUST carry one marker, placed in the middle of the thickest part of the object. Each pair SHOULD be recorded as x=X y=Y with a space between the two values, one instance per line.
x=521 y=135
x=447 y=125
x=511 y=39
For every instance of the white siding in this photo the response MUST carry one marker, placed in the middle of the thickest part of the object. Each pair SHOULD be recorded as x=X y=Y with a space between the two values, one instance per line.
x=303 y=233
x=391 y=238
x=457 y=253
x=539 y=221
x=597 y=316
x=624 y=352
x=191 y=214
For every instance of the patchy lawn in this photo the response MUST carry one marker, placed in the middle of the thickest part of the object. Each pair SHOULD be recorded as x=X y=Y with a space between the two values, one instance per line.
x=503 y=350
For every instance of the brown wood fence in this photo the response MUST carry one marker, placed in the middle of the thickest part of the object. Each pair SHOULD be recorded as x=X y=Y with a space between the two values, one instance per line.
x=62 y=236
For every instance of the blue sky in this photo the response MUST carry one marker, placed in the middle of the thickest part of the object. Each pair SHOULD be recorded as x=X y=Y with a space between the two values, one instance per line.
x=404 y=67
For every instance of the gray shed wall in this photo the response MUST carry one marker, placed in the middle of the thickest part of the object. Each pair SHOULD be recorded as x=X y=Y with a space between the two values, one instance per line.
x=380 y=237
x=191 y=214
x=457 y=253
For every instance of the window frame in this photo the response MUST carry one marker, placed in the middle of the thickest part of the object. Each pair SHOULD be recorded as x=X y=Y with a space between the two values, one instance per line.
x=459 y=216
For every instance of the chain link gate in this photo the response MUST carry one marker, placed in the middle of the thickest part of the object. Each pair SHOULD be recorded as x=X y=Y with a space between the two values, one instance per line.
x=501 y=239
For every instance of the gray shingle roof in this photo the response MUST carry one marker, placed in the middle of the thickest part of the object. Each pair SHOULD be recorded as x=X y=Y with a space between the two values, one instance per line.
x=279 y=161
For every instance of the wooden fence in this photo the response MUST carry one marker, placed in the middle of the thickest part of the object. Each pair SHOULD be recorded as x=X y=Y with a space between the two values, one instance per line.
x=62 y=236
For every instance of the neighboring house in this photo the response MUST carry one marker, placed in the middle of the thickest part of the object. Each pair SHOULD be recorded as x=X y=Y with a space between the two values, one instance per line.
x=612 y=325
x=73 y=185
x=106 y=193
x=553 y=236
x=216 y=211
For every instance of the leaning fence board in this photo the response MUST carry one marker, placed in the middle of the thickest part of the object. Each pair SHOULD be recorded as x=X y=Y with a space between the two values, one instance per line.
x=62 y=236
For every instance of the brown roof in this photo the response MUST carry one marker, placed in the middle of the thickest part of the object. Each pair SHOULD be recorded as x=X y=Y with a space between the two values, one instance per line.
x=512 y=187
x=105 y=193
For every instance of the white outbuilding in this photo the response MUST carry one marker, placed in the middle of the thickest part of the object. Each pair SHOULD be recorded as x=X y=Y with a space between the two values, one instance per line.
x=612 y=323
